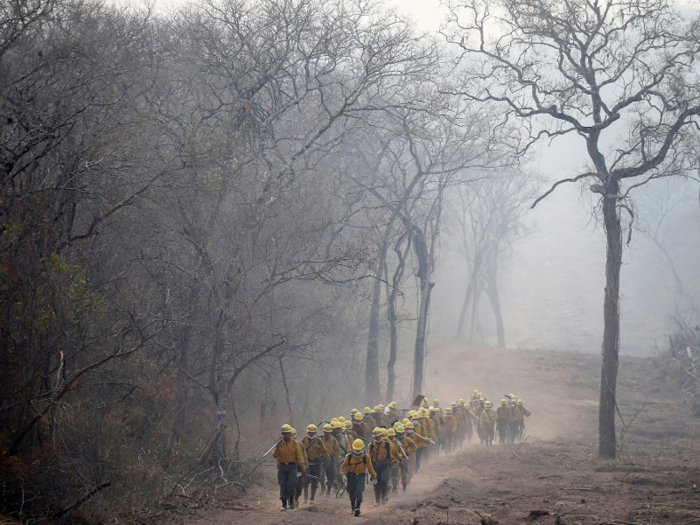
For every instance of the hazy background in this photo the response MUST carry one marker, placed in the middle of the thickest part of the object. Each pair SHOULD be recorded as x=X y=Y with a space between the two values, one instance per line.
x=552 y=286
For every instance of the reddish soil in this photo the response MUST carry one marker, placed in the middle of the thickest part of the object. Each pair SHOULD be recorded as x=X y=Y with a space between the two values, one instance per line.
x=553 y=477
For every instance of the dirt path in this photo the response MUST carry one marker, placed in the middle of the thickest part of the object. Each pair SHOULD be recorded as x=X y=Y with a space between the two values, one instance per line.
x=556 y=472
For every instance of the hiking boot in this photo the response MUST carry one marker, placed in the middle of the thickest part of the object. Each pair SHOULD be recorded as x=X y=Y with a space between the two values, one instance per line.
x=357 y=509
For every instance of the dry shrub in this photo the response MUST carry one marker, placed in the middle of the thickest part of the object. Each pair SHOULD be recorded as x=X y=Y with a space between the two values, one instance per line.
x=679 y=363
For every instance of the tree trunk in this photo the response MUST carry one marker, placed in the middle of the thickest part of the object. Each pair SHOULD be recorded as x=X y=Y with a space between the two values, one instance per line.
x=392 y=318
x=372 y=362
x=496 y=306
x=611 y=318
x=419 y=350
x=423 y=274
x=475 y=312
x=470 y=291
x=391 y=375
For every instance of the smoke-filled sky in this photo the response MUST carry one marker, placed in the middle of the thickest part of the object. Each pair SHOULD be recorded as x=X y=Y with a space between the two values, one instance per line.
x=552 y=288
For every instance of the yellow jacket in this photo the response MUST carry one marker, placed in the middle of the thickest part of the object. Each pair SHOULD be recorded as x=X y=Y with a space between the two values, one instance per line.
x=421 y=434
x=488 y=417
x=355 y=465
x=513 y=414
x=450 y=423
x=332 y=447
x=409 y=445
x=303 y=453
x=343 y=444
x=396 y=454
x=368 y=427
x=429 y=427
x=521 y=413
x=289 y=452
x=379 y=451
x=503 y=412
x=315 y=449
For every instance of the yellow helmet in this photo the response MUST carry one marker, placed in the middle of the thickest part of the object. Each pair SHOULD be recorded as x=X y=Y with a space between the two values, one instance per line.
x=341 y=419
x=400 y=429
x=475 y=393
x=373 y=411
x=436 y=402
x=410 y=425
x=358 y=445
x=461 y=402
x=511 y=395
x=520 y=402
x=482 y=400
x=438 y=410
x=397 y=425
x=311 y=428
x=503 y=402
x=377 y=431
x=367 y=410
x=393 y=404
x=358 y=416
x=431 y=407
x=405 y=421
x=334 y=420
x=327 y=428
x=424 y=411
x=425 y=401
x=391 y=432
x=487 y=404
x=380 y=406
x=337 y=424
x=294 y=433
x=354 y=411
x=385 y=433
x=286 y=429
x=453 y=404
x=448 y=411
x=348 y=425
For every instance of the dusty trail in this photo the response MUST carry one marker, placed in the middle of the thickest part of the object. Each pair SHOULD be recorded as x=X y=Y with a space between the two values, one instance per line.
x=555 y=473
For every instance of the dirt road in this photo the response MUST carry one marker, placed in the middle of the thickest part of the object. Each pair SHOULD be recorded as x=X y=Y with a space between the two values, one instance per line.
x=554 y=477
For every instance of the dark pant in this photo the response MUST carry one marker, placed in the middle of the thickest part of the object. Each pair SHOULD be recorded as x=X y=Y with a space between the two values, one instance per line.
x=502 y=426
x=331 y=474
x=383 y=478
x=287 y=479
x=419 y=456
x=356 y=486
x=315 y=469
x=513 y=430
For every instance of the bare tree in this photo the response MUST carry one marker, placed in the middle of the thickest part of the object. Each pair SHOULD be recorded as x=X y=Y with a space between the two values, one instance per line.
x=487 y=213
x=621 y=76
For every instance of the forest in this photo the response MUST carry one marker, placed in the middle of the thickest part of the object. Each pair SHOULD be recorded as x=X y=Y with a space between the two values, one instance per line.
x=230 y=214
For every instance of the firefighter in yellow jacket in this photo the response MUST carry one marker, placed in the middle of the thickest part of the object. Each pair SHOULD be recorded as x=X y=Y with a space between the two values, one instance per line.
x=503 y=421
x=522 y=414
x=333 y=465
x=300 y=470
x=397 y=456
x=354 y=469
x=289 y=456
x=488 y=422
x=450 y=425
x=380 y=454
x=409 y=449
x=318 y=458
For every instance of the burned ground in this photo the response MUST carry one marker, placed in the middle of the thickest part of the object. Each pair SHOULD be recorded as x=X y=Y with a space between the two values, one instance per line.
x=553 y=477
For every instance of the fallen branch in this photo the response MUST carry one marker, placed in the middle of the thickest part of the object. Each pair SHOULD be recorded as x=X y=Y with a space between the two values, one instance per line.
x=82 y=500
